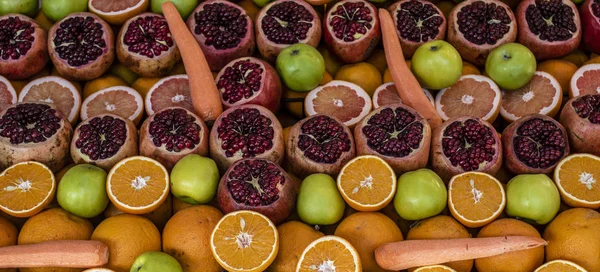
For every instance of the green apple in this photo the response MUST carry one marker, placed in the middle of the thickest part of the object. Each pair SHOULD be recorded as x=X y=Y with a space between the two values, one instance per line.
x=155 y=261
x=319 y=201
x=533 y=197
x=185 y=7
x=26 y=7
x=437 y=65
x=82 y=191
x=194 y=179
x=420 y=194
x=301 y=67
x=55 y=10
x=511 y=65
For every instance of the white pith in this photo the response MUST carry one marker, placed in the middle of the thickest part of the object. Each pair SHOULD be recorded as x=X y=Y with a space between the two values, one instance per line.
x=477 y=195
x=325 y=263
x=588 y=67
x=10 y=89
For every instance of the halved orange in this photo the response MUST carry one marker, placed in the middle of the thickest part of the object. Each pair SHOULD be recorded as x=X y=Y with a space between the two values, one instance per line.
x=55 y=90
x=171 y=91
x=329 y=253
x=137 y=185
x=245 y=241
x=8 y=95
x=120 y=100
x=117 y=12
x=387 y=94
x=434 y=268
x=26 y=188
x=367 y=183
x=472 y=95
x=578 y=180
x=475 y=198
x=542 y=95
x=586 y=80
x=560 y=266
x=562 y=70
x=342 y=99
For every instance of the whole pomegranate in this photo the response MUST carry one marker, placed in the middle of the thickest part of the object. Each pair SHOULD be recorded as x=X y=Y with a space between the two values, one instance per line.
x=285 y=22
x=417 y=22
x=534 y=144
x=396 y=133
x=319 y=144
x=172 y=133
x=81 y=46
x=258 y=185
x=224 y=31
x=465 y=144
x=549 y=28
x=476 y=27
x=581 y=118
x=34 y=131
x=145 y=46
x=104 y=140
x=590 y=22
x=23 y=47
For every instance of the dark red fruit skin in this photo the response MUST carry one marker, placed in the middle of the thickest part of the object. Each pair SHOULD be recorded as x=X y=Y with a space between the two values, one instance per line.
x=156 y=67
x=591 y=27
x=584 y=135
x=544 y=49
x=442 y=165
x=270 y=92
x=356 y=51
x=128 y=149
x=36 y=57
x=409 y=47
x=217 y=59
x=417 y=159
x=473 y=53
x=91 y=70
x=511 y=161
x=277 y=211
x=169 y=158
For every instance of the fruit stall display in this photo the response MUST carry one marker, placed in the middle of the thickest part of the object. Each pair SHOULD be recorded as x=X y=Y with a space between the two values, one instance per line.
x=300 y=135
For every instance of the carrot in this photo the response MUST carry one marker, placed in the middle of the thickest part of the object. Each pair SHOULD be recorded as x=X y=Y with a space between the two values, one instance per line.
x=203 y=90
x=65 y=253
x=406 y=83
x=413 y=253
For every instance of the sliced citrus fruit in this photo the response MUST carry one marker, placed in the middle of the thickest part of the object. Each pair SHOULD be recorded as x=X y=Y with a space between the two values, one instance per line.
x=578 y=180
x=8 y=95
x=120 y=100
x=387 y=94
x=586 y=80
x=472 y=95
x=542 y=95
x=26 y=188
x=434 y=268
x=344 y=100
x=55 y=90
x=560 y=266
x=172 y=91
x=475 y=198
x=329 y=253
x=117 y=12
x=245 y=241
x=144 y=84
x=367 y=183
x=562 y=70
x=137 y=185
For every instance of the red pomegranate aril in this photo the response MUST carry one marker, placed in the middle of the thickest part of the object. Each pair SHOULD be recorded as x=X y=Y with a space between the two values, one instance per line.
x=581 y=119
x=23 y=47
x=590 y=23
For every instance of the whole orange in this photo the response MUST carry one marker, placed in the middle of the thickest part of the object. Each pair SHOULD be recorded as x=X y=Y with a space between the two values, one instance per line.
x=562 y=70
x=363 y=74
x=294 y=237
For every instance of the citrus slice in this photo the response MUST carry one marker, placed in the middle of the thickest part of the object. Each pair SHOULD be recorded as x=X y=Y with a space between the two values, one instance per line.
x=117 y=12
x=98 y=270
x=8 y=95
x=344 y=100
x=576 y=177
x=475 y=198
x=244 y=241
x=26 y=188
x=137 y=185
x=172 y=91
x=542 y=95
x=560 y=266
x=472 y=95
x=434 y=268
x=367 y=183
x=55 y=90
x=119 y=100
x=329 y=253
x=387 y=94
x=586 y=80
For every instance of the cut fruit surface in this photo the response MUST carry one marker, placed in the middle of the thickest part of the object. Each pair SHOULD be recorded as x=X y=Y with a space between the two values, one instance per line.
x=117 y=12
x=120 y=100
x=434 y=268
x=586 y=80
x=329 y=253
x=576 y=177
x=560 y=266
x=54 y=90
x=472 y=95
x=542 y=95
x=137 y=185
x=387 y=94
x=8 y=95
x=344 y=100
x=172 y=91
x=26 y=188
x=475 y=199
x=245 y=241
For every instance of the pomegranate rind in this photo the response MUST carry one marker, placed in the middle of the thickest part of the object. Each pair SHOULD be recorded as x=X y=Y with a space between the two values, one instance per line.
x=30 y=211
x=73 y=114
x=591 y=27
x=559 y=264
x=177 y=101
x=309 y=102
x=134 y=96
x=472 y=100
x=118 y=17
x=549 y=110
x=34 y=61
x=579 y=74
x=9 y=95
x=584 y=136
x=388 y=91
x=566 y=196
x=327 y=239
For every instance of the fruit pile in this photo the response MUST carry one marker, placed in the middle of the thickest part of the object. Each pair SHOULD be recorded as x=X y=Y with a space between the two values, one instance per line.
x=300 y=135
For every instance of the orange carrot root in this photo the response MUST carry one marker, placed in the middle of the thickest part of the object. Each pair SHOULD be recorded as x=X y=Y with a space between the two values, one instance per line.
x=73 y=253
